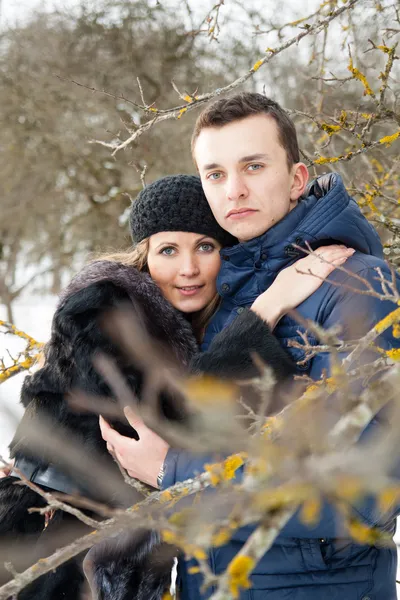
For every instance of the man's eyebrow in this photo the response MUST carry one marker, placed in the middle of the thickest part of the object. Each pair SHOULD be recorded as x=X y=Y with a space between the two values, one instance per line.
x=251 y=157
x=211 y=166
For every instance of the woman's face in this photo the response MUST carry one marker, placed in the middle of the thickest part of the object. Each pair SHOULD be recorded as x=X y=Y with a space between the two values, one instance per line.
x=185 y=267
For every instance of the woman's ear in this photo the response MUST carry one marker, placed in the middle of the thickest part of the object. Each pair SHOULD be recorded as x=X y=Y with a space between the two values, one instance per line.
x=300 y=179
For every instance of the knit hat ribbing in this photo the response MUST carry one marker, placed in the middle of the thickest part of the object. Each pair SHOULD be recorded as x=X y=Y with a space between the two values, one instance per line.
x=175 y=203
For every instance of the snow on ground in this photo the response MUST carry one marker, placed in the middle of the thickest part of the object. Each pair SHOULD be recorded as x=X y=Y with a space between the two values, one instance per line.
x=33 y=316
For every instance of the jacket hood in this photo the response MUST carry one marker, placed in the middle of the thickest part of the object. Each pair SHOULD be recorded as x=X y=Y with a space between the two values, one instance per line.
x=325 y=214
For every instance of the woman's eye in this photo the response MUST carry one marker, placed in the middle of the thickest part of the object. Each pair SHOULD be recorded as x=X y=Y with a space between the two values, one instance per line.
x=206 y=247
x=169 y=251
x=254 y=167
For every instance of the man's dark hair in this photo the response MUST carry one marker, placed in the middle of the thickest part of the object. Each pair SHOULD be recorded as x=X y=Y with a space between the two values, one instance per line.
x=238 y=107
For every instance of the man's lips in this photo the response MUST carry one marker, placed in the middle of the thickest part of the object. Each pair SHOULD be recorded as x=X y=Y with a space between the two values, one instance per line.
x=240 y=214
x=190 y=290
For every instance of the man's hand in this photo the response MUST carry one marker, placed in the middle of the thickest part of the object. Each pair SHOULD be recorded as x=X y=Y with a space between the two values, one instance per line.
x=142 y=458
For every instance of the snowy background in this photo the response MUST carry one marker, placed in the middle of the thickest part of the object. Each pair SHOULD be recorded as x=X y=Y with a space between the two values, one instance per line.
x=33 y=316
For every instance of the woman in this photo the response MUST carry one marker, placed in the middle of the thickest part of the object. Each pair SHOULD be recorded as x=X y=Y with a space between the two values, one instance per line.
x=169 y=278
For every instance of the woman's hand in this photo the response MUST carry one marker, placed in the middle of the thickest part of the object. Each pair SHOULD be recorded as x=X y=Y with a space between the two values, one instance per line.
x=296 y=283
x=142 y=458
x=6 y=470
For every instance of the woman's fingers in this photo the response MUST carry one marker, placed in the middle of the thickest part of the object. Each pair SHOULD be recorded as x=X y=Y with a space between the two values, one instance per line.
x=6 y=470
x=108 y=434
x=324 y=260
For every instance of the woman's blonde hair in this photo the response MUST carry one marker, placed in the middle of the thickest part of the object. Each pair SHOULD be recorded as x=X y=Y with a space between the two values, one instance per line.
x=137 y=257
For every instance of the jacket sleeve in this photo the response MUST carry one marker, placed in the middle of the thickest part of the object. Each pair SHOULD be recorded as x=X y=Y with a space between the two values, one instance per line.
x=229 y=355
x=357 y=314
x=181 y=465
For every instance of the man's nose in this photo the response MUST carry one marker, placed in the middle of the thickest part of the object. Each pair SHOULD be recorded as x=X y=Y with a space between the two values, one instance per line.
x=235 y=187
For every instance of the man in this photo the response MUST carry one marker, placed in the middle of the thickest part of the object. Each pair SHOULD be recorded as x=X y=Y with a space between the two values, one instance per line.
x=246 y=151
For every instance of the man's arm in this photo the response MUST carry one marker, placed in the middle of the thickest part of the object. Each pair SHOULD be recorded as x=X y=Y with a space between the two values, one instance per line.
x=357 y=314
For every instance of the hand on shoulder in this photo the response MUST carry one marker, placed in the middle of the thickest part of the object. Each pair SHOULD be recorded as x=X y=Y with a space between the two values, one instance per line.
x=296 y=283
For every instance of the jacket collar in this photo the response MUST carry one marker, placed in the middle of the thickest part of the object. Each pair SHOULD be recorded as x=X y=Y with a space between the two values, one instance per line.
x=324 y=215
x=325 y=212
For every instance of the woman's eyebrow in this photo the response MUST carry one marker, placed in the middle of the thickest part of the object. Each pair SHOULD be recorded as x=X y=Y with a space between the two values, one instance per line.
x=166 y=243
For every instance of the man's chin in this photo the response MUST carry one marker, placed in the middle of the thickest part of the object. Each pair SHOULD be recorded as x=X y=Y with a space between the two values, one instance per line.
x=247 y=234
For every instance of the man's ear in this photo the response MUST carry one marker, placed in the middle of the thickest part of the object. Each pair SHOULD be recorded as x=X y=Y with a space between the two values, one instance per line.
x=300 y=179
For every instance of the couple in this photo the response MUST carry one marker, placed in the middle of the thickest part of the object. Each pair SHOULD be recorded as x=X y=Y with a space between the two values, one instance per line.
x=170 y=279
x=245 y=149
x=246 y=152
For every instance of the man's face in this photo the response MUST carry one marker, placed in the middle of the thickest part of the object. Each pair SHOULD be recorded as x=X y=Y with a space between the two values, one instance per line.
x=245 y=175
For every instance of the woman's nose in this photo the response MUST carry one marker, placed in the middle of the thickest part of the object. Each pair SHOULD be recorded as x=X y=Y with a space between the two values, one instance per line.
x=189 y=267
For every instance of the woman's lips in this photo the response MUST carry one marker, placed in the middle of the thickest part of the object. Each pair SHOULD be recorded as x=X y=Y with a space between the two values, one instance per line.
x=190 y=290
x=241 y=215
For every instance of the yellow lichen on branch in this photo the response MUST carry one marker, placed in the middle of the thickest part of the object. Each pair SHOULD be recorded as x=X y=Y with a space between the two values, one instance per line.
x=9 y=328
x=396 y=331
x=286 y=495
x=257 y=65
x=388 y=499
x=24 y=365
x=330 y=129
x=388 y=321
x=190 y=549
x=238 y=571
x=206 y=390
x=361 y=77
x=231 y=465
x=26 y=359
x=323 y=160
x=389 y=139
x=222 y=537
x=226 y=470
x=311 y=511
x=363 y=534
x=393 y=354
x=386 y=49
x=181 y=112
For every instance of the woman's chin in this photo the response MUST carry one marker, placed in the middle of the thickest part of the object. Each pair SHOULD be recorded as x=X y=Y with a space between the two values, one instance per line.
x=189 y=305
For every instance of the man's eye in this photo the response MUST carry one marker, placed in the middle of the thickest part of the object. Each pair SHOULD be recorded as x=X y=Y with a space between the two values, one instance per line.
x=169 y=251
x=255 y=167
x=214 y=176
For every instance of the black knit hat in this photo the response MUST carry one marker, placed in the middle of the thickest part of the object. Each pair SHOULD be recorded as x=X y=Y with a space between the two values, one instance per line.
x=175 y=203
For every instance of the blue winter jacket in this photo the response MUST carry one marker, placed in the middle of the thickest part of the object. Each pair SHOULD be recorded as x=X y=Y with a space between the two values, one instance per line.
x=304 y=563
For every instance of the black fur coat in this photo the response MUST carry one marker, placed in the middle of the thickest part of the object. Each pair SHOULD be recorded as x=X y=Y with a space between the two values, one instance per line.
x=75 y=338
